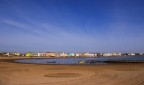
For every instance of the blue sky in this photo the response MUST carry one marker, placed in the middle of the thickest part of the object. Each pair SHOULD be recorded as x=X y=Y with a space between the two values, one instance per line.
x=72 y=25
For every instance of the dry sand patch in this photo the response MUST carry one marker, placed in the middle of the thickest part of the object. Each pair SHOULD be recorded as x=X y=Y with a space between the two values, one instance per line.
x=31 y=74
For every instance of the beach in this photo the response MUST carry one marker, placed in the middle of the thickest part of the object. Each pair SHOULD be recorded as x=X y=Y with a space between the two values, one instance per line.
x=34 y=74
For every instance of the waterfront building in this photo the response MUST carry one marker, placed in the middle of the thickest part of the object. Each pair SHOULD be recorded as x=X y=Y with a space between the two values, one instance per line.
x=7 y=54
x=28 y=54
x=44 y=54
x=132 y=54
x=107 y=54
x=116 y=54
x=125 y=54
x=77 y=55
x=70 y=54
x=34 y=54
x=16 y=54
x=84 y=55
x=137 y=54
x=87 y=55
x=40 y=54
x=23 y=54
x=91 y=55
x=99 y=54
x=63 y=54
x=95 y=54
x=50 y=54
x=141 y=54
x=57 y=55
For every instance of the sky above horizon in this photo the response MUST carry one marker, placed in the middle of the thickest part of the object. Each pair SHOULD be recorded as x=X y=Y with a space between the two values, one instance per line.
x=72 y=25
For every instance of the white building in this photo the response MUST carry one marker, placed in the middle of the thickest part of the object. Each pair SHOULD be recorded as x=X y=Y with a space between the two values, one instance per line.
x=107 y=54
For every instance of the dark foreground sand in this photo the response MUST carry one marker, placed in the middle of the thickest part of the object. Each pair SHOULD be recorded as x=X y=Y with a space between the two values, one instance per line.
x=31 y=74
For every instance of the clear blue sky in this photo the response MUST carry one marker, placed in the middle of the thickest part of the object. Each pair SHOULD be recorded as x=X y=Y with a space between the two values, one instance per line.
x=72 y=25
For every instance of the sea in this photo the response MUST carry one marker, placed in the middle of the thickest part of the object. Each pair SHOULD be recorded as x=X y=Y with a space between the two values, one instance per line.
x=98 y=60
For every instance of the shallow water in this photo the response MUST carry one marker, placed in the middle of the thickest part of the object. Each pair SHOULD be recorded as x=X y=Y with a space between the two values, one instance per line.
x=76 y=60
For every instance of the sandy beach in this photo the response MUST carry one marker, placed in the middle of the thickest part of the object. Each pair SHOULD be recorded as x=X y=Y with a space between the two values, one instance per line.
x=34 y=74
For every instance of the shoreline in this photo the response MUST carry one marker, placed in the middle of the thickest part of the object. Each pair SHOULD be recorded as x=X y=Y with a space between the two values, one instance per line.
x=108 y=62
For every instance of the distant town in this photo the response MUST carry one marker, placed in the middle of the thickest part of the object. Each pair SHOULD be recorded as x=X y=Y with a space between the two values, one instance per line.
x=63 y=54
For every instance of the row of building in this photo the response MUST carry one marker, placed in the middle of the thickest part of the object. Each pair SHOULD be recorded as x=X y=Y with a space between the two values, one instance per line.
x=62 y=54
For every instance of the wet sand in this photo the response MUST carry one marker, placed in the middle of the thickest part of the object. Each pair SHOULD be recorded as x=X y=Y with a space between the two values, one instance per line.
x=34 y=74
